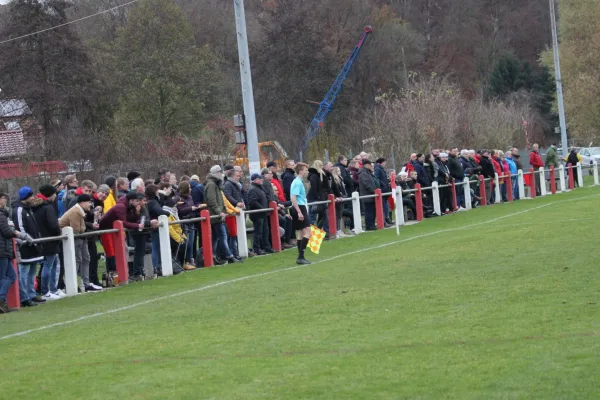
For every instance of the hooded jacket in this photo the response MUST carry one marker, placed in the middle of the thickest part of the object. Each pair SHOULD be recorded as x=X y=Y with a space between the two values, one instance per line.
x=121 y=212
x=7 y=233
x=287 y=178
x=487 y=168
x=24 y=218
x=257 y=199
x=319 y=185
x=213 y=196
x=381 y=175
x=75 y=218
x=175 y=231
x=346 y=178
x=455 y=168
x=47 y=223
x=422 y=175
x=535 y=160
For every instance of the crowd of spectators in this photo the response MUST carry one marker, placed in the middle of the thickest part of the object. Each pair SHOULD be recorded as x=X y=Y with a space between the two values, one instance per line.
x=138 y=203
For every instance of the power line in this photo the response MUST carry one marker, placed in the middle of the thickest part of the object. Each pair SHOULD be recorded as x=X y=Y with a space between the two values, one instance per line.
x=70 y=22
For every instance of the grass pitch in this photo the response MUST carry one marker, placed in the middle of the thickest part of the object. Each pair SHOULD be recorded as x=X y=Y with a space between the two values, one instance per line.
x=500 y=302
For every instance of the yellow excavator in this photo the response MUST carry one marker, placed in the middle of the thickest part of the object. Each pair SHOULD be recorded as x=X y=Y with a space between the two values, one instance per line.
x=267 y=151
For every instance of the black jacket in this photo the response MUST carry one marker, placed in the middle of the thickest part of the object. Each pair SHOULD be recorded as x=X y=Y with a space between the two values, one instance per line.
x=287 y=178
x=347 y=179
x=366 y=184
x=381 y=176
x=155 y=209
x=46 y=218
x=7 y=233
x=456 y=169
x=269 y=191
x=319 y=185
x=443 y=172
x=487 y=168
x=23 y=216
x=257 y=199
x=422 y=175
x=233 y=192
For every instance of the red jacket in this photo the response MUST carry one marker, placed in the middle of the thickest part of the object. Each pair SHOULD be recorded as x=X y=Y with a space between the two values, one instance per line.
x=280 y=195
x=119 y=212
x=535 y=159
x=497 y=166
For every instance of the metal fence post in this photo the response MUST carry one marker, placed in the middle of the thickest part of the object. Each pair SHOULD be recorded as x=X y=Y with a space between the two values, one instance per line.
x=561 y=173
x=542 y=182
x=70 y=262
x=435 y=192
x=467 y=191
x=356 y=213
x=164 y=238
x=242 y=237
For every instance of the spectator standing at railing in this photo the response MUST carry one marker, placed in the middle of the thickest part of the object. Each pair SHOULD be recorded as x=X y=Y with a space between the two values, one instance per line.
x=7 y=254
x=339 y=191
x=75 y=218
x=407 y=184
x=319 y=191
x=443 y=178
x=187 y=209
x=299 y=212
x=47 y=223
x=367 y=185
x=87 y=187
x=535 y=159
x=353 y=170
x=573 y=158
x=429 y=169
x=488 y=173
x=155 y=210
x=384 y=184
x=503 y=178
x=122 y=187
x=342 y=164
x=30 y=253
x=233 y=192
x=288 y=177
x=272 y=166
x=92 y=219
x=517 y=158
x=111 y=199
x=163 y=175
x=285 y=222
x=213 y=195
x=457 y=173
x=268 y=189
x=257 y=200
x=552 y=157
x=65 y=195
x=512 y=167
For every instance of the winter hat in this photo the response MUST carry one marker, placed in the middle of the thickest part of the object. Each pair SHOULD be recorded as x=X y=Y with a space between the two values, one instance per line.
x=215 y=169
x=110 y=181
x=132 y=175
x=228 y=168
x=265 y=171
x=134 y=196
x=47 y=190
x=195 y=178
x=25 y=192
x=271 y=164
x=443 y=155
x=255 y=177
x=83 y=198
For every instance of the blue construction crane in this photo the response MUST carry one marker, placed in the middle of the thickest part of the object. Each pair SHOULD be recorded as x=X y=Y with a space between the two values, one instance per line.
x=327 y=104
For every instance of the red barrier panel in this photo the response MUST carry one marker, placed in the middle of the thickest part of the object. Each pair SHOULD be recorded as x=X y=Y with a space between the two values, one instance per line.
x=532 y=183
x=379 y=209
x=508 y=183
x=552 y=180
x=571 y=177
x=206 y=230
x=121 y=255
x=13 y=298
x=331 y=216
x=483 y=201
x=453 y=189
x=274 y=225
x=419 y=202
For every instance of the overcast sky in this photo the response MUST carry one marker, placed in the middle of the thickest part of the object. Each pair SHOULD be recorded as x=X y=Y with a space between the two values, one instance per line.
x=4 y=1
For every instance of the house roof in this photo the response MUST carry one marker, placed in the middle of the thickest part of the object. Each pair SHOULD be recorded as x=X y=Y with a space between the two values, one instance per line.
x=13 y=108
x=12 y=143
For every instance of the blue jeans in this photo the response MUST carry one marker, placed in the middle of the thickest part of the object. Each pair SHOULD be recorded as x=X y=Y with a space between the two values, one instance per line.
x=189 y=250
x=50 y=273
x=503 y=192
x=155 y=251
x=233 y=245
x=515 y=186
x=27 y=274
x=220 y=245
x=7 y=277
x=386 y=208
x=317 y=215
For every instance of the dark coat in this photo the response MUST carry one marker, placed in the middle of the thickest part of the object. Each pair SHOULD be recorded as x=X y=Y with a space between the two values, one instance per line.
x=155 y=209
x=287 y=178
x=257 y=199
x=443 y=175
x=487 y=168
x=269 y=191
x=428 y=167
x=213 y=196
x=456 y=169
x=319 y=185
x=23 y=215
x=233 y=192
x=381 y=176
x=47 y=222
x=346 y=178
x=120 y=212
x=367 y=184
x=7 y=233
x=422 y=175
x=184 y=210
x=197 y=192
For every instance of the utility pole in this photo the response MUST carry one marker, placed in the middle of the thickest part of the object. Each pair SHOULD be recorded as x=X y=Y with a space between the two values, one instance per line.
x=247 y=92
x=559 y=90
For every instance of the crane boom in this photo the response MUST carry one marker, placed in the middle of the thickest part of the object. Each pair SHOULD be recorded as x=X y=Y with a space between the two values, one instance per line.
x=327 y=104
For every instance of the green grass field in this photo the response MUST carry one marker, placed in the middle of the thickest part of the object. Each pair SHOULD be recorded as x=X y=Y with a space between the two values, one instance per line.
x=497 y=303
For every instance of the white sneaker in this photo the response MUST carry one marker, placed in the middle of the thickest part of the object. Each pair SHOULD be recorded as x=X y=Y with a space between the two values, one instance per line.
x=93 y=288
x=51 y=296
x=60 y=293
x=341 y=234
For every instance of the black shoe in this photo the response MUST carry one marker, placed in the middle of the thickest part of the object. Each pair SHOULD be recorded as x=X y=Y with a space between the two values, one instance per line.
x=387 y=225
x=371 y=229
x=269 y=251
x=233 y=260
x=251 y=254
x=136 y=278
x=38 y=299
x=240 y=259
x=326 y=238
x=302 y=261
x=28 y=303
x=3 y=307
x=260 y=252
x=218 y=261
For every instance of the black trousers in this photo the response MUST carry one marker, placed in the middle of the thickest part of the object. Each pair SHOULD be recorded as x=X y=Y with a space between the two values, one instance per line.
x=93 y=250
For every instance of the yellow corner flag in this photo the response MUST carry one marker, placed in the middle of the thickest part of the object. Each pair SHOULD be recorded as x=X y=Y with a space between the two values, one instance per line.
x=316 y=238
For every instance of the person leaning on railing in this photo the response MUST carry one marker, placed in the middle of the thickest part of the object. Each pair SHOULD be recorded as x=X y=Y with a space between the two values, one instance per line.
x=257 y=200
